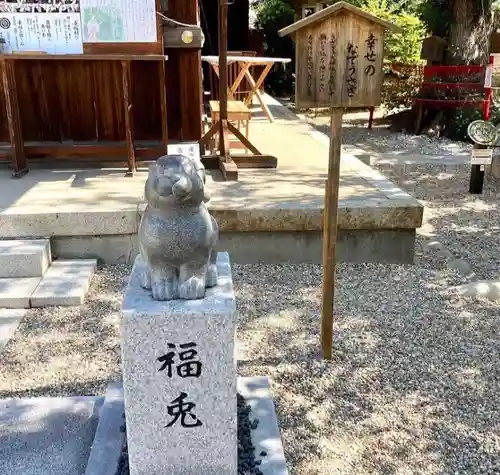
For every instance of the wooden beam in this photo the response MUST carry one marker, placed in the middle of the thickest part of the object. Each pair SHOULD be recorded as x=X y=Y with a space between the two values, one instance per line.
x=163 y=104
x=229 y=169
x=90 y=151
x=185 y=99
x=211 y=132
x=243 y=139
x=19 y=162
x=211 y=162
x=129 y=122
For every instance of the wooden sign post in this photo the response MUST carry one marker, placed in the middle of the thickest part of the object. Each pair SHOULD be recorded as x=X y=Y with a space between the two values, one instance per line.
x=339 y=56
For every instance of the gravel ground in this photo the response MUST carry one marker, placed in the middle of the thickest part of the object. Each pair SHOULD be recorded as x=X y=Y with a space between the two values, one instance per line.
x=380 y=140
x=411 y=389
x=67 y=350
x=467 y=225
x=413 y=383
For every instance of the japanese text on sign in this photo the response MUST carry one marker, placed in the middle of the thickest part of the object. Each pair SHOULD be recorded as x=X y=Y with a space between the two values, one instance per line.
x=310 y=65
x=119 y=21
x=322 y=62
x=332 y=66
x=352 y=56
x=36 y=6
x=53 y=33
x=181 y=361
x=370 y=55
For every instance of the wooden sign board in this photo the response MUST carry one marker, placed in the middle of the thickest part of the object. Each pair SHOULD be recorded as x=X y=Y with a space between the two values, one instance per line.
x=339 y=57
x=339 y=53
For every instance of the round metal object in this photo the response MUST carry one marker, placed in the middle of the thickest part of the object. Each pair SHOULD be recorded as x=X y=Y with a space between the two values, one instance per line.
x=482 y=132
x=187 y=37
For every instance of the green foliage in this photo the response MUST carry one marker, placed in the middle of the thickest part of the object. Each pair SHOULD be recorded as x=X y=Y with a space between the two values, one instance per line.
x=401 y=85
x=436 y=15
x=274 y=12
x=272 y=15
x=461 y=118
x=400 y=47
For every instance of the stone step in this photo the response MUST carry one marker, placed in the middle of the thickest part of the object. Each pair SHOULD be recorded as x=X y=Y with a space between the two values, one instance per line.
x=65 y=283
x=24 y=258
x=9 y=321
x=17 y=292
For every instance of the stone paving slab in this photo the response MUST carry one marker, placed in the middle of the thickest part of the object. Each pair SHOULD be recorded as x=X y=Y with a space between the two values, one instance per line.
x=289 y=198
x=24 y=258
x=47 y=436
x=65 y=283
x=9 y=321
x=17 y=292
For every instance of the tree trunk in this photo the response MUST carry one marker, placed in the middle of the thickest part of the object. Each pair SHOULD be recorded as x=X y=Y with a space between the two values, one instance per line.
x=470 y=30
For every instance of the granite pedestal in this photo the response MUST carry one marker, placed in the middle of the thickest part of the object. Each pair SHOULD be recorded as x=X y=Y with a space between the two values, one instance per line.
x=179 y=377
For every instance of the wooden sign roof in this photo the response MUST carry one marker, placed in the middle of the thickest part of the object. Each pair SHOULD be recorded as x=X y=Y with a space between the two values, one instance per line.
x=336 y=9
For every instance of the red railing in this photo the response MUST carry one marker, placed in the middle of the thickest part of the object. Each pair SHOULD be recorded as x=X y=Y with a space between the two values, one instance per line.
x=455 y=86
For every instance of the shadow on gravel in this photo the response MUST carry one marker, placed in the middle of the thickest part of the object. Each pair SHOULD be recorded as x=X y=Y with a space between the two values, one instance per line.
x=68 y=351
x=413 y=384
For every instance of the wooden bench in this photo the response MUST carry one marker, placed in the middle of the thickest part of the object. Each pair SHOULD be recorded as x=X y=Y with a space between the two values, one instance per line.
x=238 y=113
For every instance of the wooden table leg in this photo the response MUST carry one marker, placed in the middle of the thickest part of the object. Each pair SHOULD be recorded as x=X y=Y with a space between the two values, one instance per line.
x=247 y=127
x=19 y=162
x=127 y=108
x=243 y=71
x=256 y=90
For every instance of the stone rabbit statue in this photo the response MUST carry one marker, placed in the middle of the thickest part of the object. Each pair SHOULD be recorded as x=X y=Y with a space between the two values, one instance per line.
x=177 y=234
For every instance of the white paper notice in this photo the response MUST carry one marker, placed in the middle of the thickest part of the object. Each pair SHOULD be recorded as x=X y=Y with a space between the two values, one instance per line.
x=129 y=21
x=53 y=33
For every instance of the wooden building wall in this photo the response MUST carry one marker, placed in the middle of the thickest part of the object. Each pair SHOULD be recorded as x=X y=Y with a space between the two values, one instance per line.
x=82 y=100
x=316 y=4
x=184 y=87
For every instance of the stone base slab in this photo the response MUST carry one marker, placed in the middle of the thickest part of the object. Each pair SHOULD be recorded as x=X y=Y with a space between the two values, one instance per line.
x=108 y=441
x=24 y=258
x=266 y=437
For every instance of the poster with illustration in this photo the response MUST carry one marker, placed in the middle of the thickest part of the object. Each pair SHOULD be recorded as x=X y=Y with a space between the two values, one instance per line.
x=117 y=21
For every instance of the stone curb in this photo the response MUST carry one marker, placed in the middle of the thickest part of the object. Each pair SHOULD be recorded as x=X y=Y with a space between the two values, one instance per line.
x=266 y=437
x=488 y=289
x=9 y=321
x=108 y=440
